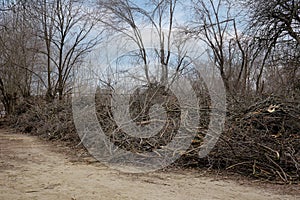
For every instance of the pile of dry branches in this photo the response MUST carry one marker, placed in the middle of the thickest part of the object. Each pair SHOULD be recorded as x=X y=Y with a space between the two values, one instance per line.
x=262 y=141
x=139 y=108
x=49 y=120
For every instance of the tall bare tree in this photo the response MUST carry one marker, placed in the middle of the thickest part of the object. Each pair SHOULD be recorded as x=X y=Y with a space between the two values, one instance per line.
x=66 y=29
x=129 y=18
x=214 y=29
x=18 y=58
x=275 y=25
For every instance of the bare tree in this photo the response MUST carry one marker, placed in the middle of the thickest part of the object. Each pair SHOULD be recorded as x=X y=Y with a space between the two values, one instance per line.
x=274 y=19
x=66 y=29
x=128 y=18
x=215 y=31
x=18 y=58
x=275 y=25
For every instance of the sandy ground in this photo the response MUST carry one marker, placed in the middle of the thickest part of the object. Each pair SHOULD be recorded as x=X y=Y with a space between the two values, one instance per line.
x=33 y=169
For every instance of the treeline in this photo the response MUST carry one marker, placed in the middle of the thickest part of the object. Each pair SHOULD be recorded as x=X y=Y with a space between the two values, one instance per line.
x=254 y=44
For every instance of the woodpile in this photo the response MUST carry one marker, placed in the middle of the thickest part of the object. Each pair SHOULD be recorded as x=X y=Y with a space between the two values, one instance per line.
x=261 y=141
x=139 y=105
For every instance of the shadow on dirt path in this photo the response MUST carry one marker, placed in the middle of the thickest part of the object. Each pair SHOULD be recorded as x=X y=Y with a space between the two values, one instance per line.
x=32 y=169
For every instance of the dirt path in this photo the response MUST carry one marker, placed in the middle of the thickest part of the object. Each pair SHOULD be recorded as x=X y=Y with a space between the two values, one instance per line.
x=32 y=169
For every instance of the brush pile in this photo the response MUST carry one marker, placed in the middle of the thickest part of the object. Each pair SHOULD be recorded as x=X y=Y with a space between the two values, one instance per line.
x=262 y=141
x=48 y=120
